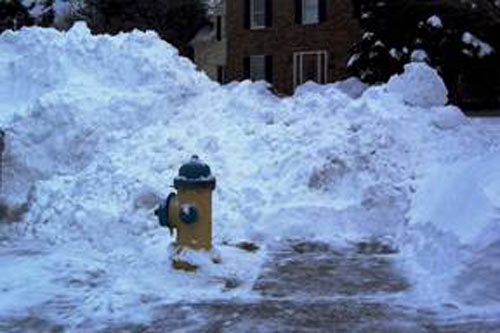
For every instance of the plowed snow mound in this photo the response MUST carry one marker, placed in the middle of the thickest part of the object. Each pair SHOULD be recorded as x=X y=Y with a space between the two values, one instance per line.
x=97 y=127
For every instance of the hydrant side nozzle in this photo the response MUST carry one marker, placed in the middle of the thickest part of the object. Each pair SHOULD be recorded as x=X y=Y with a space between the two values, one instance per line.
x=163 y=213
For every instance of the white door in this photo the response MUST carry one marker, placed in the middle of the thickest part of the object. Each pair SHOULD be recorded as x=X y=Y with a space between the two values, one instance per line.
x=309 y=66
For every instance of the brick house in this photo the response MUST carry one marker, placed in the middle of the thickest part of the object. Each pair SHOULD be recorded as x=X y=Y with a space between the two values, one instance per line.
x=285 y=42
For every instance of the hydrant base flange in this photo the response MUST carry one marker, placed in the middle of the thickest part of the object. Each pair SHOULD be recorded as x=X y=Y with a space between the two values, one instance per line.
x=190 y=260
x=184 y=265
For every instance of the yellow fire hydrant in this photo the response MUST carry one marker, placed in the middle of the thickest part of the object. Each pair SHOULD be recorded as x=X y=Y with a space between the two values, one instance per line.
x=189 y=212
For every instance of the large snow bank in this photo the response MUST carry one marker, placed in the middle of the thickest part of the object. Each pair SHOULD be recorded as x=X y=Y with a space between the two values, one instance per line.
x=97 y=127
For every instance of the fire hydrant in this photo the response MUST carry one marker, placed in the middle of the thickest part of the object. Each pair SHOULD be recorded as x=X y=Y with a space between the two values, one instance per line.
x=189 y=212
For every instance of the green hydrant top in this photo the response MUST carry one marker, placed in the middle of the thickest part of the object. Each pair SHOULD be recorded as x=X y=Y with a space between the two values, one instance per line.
x=193 y=174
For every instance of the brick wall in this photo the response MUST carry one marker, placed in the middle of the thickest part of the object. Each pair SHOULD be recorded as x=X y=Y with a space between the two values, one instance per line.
x=335 y=35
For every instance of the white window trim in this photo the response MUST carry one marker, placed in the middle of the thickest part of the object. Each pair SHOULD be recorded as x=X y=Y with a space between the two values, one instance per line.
x=298 y=66
x=304 y=11
x=253 y=24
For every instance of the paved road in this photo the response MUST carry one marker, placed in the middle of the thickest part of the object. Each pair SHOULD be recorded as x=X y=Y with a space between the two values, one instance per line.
x=305 y=287
x=310 y=287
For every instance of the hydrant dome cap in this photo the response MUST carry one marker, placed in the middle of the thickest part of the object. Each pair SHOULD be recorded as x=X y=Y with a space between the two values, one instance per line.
x=194 y=169
x=194 y=173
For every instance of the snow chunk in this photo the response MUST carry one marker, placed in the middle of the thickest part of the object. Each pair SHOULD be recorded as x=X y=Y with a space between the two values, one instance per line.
x=395 y=53
x=484 y=48
x=368 y=35
x=352 y=86
x=419 y=85
x=435 y=21
x=419 y=56
x=353 y=59
x=448 y=117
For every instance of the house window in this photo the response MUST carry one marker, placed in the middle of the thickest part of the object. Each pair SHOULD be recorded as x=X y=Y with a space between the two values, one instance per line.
x=310 y=66
x=310 y=10
x=257 y=68
x=257 y=14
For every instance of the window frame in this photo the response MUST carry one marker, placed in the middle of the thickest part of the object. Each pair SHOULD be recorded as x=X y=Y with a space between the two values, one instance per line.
x=262 y=58
x=298 y=66
x=317 y=18
x=253 y=24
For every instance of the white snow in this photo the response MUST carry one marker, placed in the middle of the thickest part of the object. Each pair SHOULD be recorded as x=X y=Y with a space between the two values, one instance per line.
x=395 y=53
x=37 y=8
x=353 y=59
x=368 y=35
x=419 y=55
x=419 y=86
x=97 y=127
x=484 y=49
x=435 y=21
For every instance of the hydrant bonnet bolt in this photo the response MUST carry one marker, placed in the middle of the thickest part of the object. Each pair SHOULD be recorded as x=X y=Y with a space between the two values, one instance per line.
x=188 y=214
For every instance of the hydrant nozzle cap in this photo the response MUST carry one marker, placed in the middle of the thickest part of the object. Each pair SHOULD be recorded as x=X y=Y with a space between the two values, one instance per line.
x=194 y=173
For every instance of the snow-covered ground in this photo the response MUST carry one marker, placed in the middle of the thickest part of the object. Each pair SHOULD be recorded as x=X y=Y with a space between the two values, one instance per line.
x=97 y=127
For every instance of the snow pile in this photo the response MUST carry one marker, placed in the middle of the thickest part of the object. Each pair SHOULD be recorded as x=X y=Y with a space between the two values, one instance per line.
x=77 y=90
x=419 y=86
x=455 y=224
x=97 y=127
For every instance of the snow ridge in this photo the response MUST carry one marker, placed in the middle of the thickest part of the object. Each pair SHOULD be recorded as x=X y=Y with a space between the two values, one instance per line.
x=97 y=127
